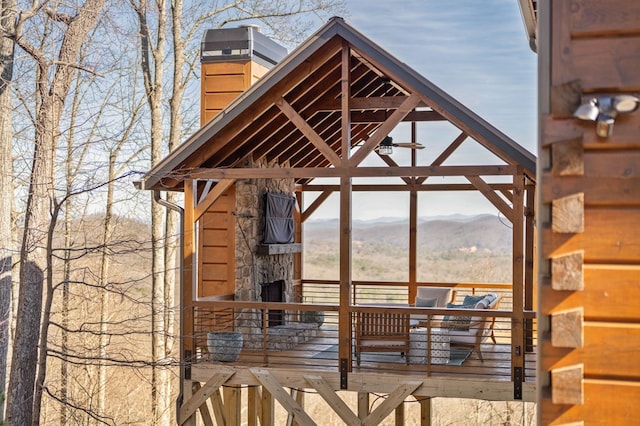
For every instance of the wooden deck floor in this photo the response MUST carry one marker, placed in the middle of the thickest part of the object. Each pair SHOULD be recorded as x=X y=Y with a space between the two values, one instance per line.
x=319 y=355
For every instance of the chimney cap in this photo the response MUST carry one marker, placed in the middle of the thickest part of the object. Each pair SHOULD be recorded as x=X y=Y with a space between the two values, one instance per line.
x=240 y=44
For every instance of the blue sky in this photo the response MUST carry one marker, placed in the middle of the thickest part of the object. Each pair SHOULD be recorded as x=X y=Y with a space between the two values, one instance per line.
x=478 y=52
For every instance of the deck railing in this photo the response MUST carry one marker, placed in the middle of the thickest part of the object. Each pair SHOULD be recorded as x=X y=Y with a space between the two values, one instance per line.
x=305 y=335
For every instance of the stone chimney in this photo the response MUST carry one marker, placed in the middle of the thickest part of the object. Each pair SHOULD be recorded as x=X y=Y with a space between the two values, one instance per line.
x=232 y=59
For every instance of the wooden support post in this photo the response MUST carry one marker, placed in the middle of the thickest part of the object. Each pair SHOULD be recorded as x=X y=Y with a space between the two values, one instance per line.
x=399 y=414
x=252 y=406
x=529 y=265
x=232 y=404
x=363 y=405
x=267 y=417
x=188 y=392
x=344 y=314
x=517 y=325
x=218 y=407
x=298 y=395
x=425 y=411
x=186 y=318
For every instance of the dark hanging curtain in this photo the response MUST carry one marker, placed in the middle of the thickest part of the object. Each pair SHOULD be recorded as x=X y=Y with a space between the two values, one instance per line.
x=278 y=218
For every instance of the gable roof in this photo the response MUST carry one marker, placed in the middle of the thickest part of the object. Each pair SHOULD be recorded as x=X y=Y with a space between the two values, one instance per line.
x=308 y=82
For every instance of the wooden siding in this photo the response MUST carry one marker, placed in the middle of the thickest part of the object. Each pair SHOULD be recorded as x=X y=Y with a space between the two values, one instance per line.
x=590 y=211
x=216 y=253
x=223 y=82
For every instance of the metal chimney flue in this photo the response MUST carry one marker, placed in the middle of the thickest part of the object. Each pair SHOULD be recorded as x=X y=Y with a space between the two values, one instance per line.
x=232 y=59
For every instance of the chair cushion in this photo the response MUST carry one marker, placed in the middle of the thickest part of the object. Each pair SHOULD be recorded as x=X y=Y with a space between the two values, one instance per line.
x=443 y=294
x=472 y=300
x=426 y=302
x=459 y=322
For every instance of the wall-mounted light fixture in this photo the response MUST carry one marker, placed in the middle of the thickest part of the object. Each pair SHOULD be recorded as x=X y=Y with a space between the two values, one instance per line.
x=604 y=110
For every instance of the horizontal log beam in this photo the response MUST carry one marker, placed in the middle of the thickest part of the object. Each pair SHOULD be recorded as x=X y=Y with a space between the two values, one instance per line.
x=406 y=188
x=314 y=172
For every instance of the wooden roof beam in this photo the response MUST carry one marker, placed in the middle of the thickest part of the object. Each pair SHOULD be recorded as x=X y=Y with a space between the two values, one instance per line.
x=409 y=103
x=308 y=131
x=447 y=152
x=314 y=172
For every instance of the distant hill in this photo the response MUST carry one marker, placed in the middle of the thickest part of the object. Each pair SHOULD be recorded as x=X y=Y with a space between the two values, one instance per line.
x=482 y=233
x=450 y=249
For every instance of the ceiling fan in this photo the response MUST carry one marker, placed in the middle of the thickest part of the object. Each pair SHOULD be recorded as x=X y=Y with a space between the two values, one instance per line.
x=387 y=144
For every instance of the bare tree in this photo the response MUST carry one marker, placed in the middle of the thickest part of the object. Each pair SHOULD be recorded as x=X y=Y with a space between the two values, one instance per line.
x=7 y=21
x=24 y=398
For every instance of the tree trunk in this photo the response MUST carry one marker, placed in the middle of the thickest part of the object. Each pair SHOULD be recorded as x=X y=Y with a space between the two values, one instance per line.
x=7 y=19
x=153 y=73
x=24 y=397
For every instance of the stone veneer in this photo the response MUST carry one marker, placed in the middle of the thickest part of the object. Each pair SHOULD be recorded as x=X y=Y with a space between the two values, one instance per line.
x=253 y=269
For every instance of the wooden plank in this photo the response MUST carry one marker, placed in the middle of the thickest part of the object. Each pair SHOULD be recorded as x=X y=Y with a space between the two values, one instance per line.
x=567 y=214
x=598 y=18
x=217 y=101
x=610 y=235
x=353 y=172
x=189 y=263
x=217 y=220
x=363 y=405
x=624 y=136
x=564 y=88
x=598 y=191
x=493 y=198
x=218 y=407
x=517 y=273
x=425 y=411
x=221 y=68
x=275 y=388
x=399 y=415
x=211 y=253
x=216 y=83
x=232 y=404
x=216 y=288
x=607 y=292
x=567 y=385
x=267 y=408
x=214 y=272
x=611 y=177
x=606 y=403
x=215 y=237
x=200 y=397
x=618 y=62
x=308 y=131
x=610 y=351
x=334 y=401
x=394 y=399
x=204 y=409
x=566 y=272
x=315 y=204
x=344 y=315
x=374 y=381
x=567 y=328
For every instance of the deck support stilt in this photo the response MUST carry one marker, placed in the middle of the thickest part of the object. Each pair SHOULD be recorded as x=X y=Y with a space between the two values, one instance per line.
x=267 y=408
x=425 y=411
x=363 y=405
